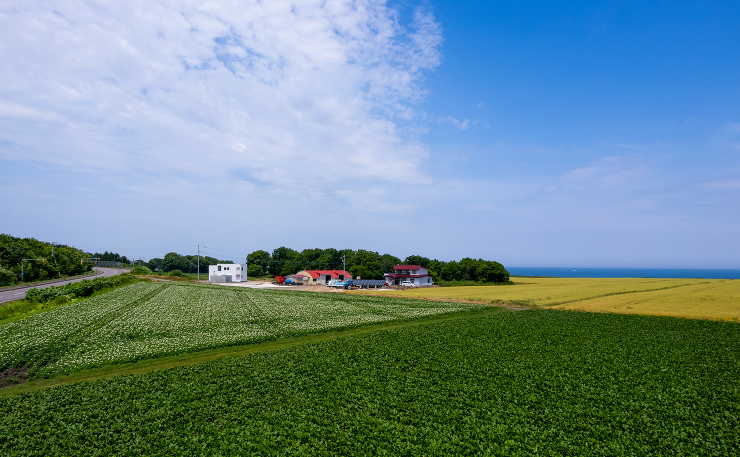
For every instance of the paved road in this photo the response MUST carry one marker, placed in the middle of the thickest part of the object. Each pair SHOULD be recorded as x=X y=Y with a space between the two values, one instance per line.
x=16 y=294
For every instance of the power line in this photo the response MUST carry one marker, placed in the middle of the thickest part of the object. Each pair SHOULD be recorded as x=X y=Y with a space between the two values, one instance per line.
x=298 y=262
x=224 y=250
x=213 y=254
x=139 y=248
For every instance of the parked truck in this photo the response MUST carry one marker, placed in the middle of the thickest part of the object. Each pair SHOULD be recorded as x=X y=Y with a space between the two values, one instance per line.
x=341 y=284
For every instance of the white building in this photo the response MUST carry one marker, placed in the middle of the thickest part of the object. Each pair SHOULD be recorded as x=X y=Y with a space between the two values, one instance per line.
x=227 y=272
x=416 y=274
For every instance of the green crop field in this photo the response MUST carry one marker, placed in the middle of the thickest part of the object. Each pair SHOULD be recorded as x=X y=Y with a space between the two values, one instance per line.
x=536 y=382
x=148 y=320
x=693 y=298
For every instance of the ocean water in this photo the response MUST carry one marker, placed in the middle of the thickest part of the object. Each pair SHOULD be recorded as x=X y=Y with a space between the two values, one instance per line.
x=624 y=272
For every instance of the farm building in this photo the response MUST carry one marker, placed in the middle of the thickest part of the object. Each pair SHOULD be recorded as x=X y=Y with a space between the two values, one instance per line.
x=323 y=276
x=227 y=272
x=417 y=274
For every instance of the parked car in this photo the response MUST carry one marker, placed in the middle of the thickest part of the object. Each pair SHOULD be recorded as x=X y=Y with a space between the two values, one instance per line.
x=407 y=283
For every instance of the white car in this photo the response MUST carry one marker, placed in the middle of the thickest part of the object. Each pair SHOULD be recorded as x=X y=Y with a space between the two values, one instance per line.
x=407 y=283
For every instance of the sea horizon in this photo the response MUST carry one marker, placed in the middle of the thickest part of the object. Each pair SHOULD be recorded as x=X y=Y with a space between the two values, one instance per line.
x=577 y=272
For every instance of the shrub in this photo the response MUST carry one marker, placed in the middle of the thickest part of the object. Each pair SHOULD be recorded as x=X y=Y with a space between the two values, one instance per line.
x=7 y=277
x=255 y=271
x=84 y=288
x=60 y=300
x=141 y=270
x=177 y=273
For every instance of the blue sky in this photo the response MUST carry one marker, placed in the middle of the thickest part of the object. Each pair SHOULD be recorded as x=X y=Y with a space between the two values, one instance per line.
x=590 y=134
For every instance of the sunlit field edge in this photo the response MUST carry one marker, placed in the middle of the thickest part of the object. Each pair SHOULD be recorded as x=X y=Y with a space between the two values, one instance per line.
x=690 y=298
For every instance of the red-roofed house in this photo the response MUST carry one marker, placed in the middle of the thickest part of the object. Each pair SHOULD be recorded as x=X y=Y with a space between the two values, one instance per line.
x=324 y=276
x=414 y=273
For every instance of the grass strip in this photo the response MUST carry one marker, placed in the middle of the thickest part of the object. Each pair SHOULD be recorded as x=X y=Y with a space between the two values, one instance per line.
x=164 y=363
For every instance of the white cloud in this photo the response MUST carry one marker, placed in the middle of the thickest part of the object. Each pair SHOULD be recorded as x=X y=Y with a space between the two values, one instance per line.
x=607 y=172
x=298 y=96
x=462 y=125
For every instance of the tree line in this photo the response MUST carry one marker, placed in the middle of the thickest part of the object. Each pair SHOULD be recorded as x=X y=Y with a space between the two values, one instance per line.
x=185 y=263
x=111 y=257
x=64 y=261
x=370 y=265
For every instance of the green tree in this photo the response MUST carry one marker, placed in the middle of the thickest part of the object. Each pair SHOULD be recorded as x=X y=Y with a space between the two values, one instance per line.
x=259 y=259
x=7 y=277
x=174 y=261
x=154 y=264
x=417 y=260
x=451 y=271
x=367 y=264
x=255 y=271
x=60 y=260
x=284 y=261
x=331 y=259
x=387 y=262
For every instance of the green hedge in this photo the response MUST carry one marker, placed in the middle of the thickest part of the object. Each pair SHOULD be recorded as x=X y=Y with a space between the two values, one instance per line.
x=140 y=270
x=84 y=288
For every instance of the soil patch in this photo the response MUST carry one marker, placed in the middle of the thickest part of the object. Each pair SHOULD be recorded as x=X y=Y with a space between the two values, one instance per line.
x=13 y=377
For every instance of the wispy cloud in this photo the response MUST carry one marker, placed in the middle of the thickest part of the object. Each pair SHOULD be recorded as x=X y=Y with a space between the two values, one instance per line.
x=274 y=93
x=462 y=125
x=726 y=184
x=605 y=172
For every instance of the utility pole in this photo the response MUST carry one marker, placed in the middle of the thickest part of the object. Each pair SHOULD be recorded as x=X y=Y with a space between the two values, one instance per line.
x=52 y=256
x=199 y=263
x=344 y=265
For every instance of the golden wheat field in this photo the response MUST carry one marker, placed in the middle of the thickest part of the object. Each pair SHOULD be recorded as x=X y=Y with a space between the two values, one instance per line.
x=694 y=298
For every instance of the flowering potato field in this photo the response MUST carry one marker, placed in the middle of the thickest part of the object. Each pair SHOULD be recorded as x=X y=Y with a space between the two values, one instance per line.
x=538 y=382
x=148 y=320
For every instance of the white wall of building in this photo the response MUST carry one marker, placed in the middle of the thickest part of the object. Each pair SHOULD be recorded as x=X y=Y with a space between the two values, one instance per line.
x=227 y=272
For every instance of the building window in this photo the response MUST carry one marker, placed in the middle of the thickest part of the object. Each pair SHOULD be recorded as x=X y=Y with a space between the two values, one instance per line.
x=219 y=268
